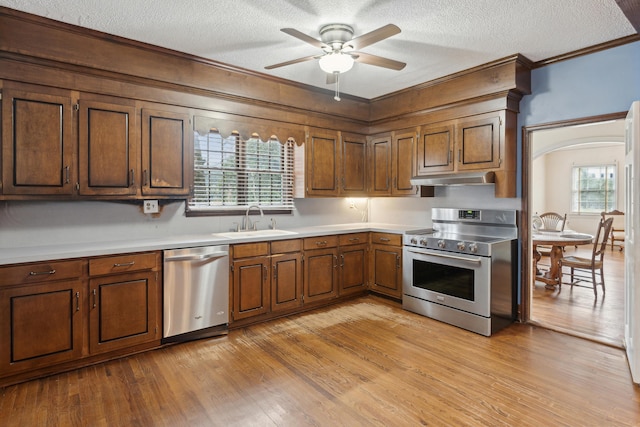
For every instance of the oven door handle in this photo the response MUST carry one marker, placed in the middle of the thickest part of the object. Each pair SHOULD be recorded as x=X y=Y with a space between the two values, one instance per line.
x=476 y=260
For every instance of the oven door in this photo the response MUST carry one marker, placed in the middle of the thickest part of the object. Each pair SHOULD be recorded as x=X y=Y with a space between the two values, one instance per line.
x=455 y=280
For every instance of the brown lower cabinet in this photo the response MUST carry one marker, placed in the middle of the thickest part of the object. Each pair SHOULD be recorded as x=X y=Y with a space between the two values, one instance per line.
x=386 y=264
x=69 y=313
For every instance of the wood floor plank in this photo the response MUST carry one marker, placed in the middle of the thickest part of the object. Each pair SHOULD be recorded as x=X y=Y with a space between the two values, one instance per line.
x=359 y=363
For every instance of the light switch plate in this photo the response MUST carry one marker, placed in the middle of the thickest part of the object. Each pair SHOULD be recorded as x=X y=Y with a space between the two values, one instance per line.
x=150 y=206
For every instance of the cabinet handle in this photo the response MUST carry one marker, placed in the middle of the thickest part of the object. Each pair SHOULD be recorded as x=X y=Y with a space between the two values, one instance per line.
x=449 y=156
x=41 y=273
x=395 y=182
x=145 y=178
x=354 y=239
x=322 y=243
x=266 y=273
x=133 y=177
x=94 y=298
x=460 y=155
x=275 y=272
x=342 y=261
x=77 y=301
x=398 y=262
x=386 y=184
x=124 y=264
x=335 y=261
x=384 y=239
x=67 y=175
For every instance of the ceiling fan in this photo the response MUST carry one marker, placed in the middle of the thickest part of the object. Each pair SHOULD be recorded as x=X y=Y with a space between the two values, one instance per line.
x=340 y=50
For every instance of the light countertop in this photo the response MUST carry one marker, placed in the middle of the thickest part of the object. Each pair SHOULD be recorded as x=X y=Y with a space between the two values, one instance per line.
x=87 y=249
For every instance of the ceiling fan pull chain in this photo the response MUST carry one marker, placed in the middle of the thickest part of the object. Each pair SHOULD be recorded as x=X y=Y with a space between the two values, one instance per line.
x=337 y=97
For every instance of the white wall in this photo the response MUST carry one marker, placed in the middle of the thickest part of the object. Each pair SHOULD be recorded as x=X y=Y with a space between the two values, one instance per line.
x=552 y=181
x=39 y=223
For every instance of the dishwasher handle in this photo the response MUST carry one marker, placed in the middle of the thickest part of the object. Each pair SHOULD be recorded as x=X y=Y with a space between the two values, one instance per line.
x=202 y=257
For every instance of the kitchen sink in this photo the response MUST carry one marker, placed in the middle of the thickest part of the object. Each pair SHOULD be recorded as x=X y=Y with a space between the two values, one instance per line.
x=255 y=233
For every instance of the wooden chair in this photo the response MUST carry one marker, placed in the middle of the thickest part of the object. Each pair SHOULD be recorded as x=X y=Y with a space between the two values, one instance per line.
x=552 y=221
x=617 y=229
x=596 y=262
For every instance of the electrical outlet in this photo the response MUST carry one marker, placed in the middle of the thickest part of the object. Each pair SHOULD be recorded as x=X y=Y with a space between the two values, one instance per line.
x=150 y=206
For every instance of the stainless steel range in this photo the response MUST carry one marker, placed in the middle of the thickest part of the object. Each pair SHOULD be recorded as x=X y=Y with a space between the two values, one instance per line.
x=463 y=271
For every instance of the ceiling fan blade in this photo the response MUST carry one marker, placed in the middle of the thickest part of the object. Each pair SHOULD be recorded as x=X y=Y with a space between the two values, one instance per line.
x=293 y=61
x=374 y=36
x=332 y=78
x=302 y=36
x=378 y=61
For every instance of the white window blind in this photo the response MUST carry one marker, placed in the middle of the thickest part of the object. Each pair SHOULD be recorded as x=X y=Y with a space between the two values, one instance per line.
x=231 y=173
x=593 y=189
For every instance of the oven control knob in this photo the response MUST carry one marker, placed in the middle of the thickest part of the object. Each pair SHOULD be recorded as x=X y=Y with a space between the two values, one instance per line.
x=460 y=246
x=423 y=242
x=441 y=244
x=473 y=248
x=414 y=241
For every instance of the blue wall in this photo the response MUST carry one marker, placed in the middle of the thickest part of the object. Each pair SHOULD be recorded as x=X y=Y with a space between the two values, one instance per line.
x=600 y=83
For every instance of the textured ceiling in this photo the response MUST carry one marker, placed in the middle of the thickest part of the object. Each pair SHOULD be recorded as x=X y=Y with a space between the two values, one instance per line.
x=438 y=37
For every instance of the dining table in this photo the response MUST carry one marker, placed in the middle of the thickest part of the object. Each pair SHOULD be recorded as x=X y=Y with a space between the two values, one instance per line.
x=558 y=240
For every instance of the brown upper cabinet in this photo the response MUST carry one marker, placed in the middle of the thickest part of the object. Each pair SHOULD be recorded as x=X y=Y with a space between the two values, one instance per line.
x=336 y=164
x=167 y=152
x=108 y=150
x=38 y=141
x=471 y=143
x=391 y=161
x=64 y=143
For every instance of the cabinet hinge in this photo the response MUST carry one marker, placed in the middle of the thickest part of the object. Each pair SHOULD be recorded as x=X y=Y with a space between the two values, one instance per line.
x=500 y=120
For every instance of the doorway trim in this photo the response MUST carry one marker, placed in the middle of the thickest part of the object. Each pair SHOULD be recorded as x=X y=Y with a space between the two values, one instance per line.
x=526 y=259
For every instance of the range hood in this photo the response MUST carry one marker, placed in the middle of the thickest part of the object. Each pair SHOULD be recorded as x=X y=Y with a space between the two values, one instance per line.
x=465 y=178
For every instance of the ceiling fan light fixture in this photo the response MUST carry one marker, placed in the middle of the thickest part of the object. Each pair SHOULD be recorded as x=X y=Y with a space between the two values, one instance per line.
x=336 y=62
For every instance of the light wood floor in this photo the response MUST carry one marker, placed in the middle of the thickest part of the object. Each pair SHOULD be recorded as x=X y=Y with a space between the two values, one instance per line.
x=362 y=362
x=577 y=311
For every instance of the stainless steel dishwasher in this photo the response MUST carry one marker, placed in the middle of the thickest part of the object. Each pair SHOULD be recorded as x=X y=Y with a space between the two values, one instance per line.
x=196 y=293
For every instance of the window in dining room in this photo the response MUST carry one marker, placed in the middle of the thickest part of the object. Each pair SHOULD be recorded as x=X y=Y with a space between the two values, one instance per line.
x=593 y=189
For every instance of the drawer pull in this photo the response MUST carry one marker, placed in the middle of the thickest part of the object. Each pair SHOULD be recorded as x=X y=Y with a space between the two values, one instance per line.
x=124 y=264
x=354 y=239
x=384 y=239
x=41 y=273
x=77 y=301
x=322 y=243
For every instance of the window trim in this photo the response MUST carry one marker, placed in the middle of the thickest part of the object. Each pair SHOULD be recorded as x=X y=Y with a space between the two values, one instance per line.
x=287 y=144
x=611 y=203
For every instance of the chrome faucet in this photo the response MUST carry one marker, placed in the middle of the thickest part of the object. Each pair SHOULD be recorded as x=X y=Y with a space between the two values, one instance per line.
x=247 y=222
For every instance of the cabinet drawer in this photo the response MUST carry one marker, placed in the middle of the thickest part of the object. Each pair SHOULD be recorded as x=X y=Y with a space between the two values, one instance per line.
x=40 y=272
x=320 y=242
x=353 y=239
x=245 y=250
x=286 y=246
x=122 y=263
x=386 y=239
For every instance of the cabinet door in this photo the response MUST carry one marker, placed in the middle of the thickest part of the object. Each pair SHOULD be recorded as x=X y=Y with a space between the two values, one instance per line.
x=167 y=153
x=353 y=269
x=386 y=274
x=320 y=274
x=250 y=287
x=354 y=165
x=123 y=311
x=286 y=281
x=323 y=160
x=434 y=151
x=478 y=143
x=40 y=325
x=380 y=152
x=38 y=142
x=108 y=148
x=403 y=144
